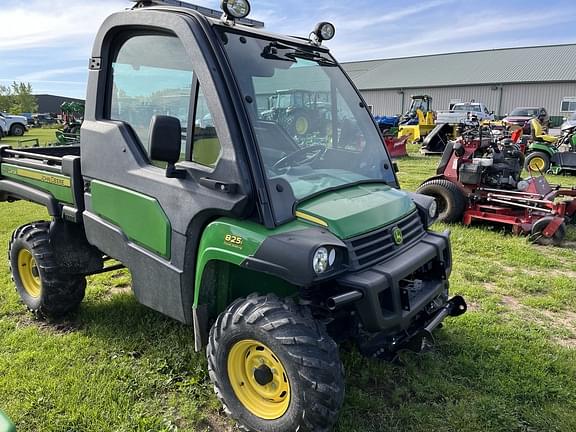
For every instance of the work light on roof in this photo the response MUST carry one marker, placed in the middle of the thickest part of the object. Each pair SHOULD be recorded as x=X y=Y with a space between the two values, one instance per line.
x=236 y=9
x=324 y=31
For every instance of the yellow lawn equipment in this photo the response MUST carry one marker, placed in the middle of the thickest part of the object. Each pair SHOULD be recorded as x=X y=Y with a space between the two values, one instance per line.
x=419 y=120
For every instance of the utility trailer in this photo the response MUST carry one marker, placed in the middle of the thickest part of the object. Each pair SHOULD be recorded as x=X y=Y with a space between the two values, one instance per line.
x=273 y=246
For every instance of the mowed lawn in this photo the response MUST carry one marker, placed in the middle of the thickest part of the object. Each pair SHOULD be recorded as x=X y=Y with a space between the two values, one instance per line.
x=40 y=136
x=509 y=364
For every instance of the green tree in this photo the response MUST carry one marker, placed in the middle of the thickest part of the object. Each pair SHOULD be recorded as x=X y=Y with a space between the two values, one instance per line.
x=23 y=99
x=6 y=99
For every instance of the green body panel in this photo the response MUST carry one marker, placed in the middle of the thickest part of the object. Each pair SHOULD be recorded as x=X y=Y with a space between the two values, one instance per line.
x=57 y=185
x=360 y=209
x=5 y=424
x=574 y=141
x=542 y=147
x=139 y=216
x=232 y=241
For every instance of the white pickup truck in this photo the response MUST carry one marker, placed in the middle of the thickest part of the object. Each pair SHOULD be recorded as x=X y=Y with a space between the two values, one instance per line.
x=15 y=125
x=461 y=112
x=3 y=129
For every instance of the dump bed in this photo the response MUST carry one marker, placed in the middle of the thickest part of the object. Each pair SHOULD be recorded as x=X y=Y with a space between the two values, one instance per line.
x=49 y=176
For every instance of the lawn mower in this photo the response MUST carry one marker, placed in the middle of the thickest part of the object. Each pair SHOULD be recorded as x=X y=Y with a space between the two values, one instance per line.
x=556 y=154
x=478 y=179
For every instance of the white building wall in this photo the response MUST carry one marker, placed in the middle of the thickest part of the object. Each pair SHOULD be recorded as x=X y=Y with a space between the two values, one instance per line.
x=547 y=95
x=501 y=99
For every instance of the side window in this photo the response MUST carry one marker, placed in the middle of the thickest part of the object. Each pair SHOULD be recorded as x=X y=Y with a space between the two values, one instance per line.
x=151 y=74
x=206 y=149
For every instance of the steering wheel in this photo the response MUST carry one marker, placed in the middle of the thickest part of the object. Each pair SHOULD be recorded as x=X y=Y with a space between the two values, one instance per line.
x=294 y=157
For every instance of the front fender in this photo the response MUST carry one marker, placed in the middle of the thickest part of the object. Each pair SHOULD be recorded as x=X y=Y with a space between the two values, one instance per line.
x=285 y=252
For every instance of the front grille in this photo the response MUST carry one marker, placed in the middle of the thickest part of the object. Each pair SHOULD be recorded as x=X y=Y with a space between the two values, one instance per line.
x=378 y=245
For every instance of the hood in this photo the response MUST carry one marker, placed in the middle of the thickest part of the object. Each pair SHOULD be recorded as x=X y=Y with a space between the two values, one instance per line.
x=16 y=117
x=357 y=209
x=517 y=119
x=568 y=124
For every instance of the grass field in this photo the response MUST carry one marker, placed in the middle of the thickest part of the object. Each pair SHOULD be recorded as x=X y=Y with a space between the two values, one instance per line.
x=43 y=135
x=509 y=364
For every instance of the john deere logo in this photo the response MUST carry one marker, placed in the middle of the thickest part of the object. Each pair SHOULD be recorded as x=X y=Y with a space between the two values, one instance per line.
x=398 y=237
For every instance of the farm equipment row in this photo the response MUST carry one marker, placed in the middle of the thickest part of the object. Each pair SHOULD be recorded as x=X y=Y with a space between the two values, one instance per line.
x=478 y=179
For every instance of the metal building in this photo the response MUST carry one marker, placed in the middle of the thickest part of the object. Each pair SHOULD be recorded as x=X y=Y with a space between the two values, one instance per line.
x=503 y=79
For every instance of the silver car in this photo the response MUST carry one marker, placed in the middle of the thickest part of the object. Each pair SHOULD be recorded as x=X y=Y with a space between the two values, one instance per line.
x=569 y=122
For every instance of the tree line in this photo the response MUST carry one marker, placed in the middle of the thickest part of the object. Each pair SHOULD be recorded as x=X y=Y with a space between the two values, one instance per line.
x=17 y=98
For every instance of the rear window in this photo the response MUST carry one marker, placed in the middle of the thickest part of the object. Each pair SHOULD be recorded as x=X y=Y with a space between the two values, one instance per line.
x=468 y=108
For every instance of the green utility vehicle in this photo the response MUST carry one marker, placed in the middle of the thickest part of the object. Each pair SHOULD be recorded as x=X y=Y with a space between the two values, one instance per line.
x=272 y=249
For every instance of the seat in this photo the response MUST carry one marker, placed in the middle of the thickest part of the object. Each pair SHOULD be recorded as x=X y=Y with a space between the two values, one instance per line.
x=538 y=132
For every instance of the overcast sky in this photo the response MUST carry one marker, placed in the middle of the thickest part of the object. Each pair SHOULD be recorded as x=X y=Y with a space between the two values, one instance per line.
x=48 y=42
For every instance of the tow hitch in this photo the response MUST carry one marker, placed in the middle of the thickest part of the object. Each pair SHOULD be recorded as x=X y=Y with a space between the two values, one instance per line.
x=418 y=339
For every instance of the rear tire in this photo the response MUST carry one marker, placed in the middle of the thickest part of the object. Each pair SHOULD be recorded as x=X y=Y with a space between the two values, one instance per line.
x=42 y=284
x=451 y=201
x=299 y=384
x=537 y=234
x=537 y=162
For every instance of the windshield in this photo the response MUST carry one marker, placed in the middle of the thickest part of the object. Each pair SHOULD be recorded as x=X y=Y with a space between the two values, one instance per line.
x=312 y=130
x=525 y=112
x=467 y=108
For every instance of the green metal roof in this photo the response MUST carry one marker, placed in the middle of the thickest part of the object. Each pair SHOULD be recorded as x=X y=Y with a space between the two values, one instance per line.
x=555 y=63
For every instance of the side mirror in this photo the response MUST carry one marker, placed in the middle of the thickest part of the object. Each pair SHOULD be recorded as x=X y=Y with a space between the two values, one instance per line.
x=165 y=139
x=564 y=119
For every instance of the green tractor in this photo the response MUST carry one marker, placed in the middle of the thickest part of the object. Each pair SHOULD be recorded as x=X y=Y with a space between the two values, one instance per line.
x=299 y=111
x=72 y=114
x=273 y=249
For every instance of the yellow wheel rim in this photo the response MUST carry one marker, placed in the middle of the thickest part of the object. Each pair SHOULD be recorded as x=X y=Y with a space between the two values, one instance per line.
x=259 y=379
x=28 y=271
x=537 y=164
x=301 y=125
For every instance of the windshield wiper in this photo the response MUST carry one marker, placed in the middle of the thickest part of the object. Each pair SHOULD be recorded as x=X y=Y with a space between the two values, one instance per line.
x=272 y=51
x=321 y=60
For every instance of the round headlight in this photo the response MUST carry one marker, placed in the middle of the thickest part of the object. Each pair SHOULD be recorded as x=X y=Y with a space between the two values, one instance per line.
x=320 y=260
x=433 y=209
x=325 y=31
x=236 y=8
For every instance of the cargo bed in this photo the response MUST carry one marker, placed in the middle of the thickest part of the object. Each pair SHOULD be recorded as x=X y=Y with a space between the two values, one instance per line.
x=45 y=175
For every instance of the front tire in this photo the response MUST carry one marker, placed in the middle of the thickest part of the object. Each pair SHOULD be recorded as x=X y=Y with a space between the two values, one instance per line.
x=537 y=235
x=451 y=201
x=274 y=367
x=42 y=284
x=17 y=130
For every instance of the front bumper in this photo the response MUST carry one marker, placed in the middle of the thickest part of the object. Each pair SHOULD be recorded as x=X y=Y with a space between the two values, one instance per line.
x=406 y=290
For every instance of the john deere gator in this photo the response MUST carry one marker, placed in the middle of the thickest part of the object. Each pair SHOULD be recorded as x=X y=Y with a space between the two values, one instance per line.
x=273 y=245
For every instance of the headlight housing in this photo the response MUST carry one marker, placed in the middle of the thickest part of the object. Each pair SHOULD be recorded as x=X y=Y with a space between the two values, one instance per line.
x=427 y=208
x=433 y=210
x=324 y=260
